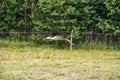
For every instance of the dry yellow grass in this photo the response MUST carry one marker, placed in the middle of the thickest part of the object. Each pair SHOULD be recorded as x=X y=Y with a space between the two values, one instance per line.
x=45 y=63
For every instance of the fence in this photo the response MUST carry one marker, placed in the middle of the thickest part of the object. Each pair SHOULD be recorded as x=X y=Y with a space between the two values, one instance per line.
x=100 y=39
x=86 y=38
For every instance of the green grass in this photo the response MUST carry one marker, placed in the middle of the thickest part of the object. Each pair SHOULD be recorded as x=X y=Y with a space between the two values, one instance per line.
x=25 y=61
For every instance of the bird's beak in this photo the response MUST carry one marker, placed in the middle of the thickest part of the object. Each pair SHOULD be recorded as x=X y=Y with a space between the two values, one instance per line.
x=44 y=39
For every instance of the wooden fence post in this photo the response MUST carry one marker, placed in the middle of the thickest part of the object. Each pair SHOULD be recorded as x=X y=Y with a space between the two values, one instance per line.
x=71 y=39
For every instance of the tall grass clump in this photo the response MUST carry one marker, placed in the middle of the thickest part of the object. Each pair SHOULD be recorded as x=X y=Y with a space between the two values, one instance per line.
x=97 y=45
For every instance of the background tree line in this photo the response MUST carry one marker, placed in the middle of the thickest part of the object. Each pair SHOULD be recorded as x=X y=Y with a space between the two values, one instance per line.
x=93 y=16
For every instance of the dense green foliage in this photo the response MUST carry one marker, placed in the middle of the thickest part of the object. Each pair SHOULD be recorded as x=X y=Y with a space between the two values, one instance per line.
x=97 y=16
x=101 y=15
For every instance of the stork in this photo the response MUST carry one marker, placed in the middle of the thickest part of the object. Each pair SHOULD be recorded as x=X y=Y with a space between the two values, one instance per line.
x=58 y=38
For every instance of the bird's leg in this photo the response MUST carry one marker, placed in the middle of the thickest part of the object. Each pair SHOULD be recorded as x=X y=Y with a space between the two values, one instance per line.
x=67 y=40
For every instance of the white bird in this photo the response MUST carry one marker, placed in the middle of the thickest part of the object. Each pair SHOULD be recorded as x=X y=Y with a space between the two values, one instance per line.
x=58 y=38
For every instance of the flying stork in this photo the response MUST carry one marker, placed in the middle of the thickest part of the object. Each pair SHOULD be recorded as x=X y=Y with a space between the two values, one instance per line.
x=58 y=38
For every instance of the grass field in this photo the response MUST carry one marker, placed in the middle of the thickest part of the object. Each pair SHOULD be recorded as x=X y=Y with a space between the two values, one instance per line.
x=47 y=63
